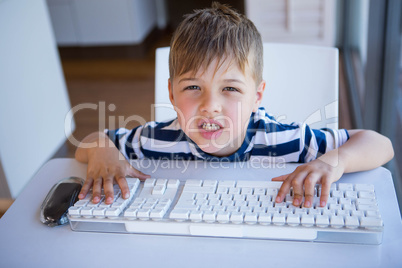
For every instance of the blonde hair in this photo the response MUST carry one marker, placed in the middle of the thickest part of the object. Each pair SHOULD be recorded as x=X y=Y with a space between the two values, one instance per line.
x=213 y=33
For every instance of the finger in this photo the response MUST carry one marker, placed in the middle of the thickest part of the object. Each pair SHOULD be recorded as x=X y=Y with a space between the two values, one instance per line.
x=108 y=189
x=85 y=188
x=297 y=185
x=325 y=188
x=120 y=178
x=136 y=173
x=285 y=188
x=280 y=178
x=96 y=190
x=122 y=182
x=309 y=186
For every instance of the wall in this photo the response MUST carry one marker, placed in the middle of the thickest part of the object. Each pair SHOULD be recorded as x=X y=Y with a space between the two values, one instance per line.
x=104 y=22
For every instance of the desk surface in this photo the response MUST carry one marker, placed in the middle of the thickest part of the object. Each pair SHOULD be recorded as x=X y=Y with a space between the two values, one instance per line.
x=26 y=242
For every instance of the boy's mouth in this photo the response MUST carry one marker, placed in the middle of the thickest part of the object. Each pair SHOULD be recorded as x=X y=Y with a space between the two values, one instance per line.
x=209 y=125
x=210 y=129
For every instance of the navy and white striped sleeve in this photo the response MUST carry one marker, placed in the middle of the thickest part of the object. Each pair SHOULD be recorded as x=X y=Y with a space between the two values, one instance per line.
x=316 y=142
x=127 y=141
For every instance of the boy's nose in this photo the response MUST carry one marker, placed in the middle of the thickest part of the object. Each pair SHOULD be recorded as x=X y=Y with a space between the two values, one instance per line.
x=210 y=105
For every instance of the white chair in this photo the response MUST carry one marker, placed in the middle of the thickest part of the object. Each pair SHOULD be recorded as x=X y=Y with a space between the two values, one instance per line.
x=302 y=84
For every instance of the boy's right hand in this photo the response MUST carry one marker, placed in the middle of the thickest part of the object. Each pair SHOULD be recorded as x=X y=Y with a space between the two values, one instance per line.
x=106 y=165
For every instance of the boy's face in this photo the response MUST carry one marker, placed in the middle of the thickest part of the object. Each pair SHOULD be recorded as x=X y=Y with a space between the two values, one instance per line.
x=214 y=108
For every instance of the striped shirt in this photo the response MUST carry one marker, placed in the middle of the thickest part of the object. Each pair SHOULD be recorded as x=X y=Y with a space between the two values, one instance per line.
x=266 y=139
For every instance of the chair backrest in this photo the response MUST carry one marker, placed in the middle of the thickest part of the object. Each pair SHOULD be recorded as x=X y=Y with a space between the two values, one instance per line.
x=302 y=84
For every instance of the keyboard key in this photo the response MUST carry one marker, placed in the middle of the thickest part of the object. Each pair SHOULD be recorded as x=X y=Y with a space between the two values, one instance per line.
x=99 y=212
x=264 y=218
x=259 y=191
x=86 y=211
x=196 y=216
x=371 y=222
x=335 y=206
x=143 y=213
x=130 y=213
x=367 y=207
x=245 y=209
x=361 y=201
x=251 y=217
x=307 y=220
x=357 y=213
x=193 y=183
x=338 y=194
x=293 y=220
x=74 y=211
x=364 y=187
x=233 y=190
x=366 y=195
x=228 y=184
x=322 y=220
x=159 y=190
x=278 y=219
x=222 y=190
x=173 y=183
x=337 y=221
x=342 y=213
x=211 y=183
x=81 y=203
x=149 y=182
x=157 y=213
x=372 y=213
x=272 y=192
x=223 y=216
x=247 y=190
x=345 y=187
x=237 y=217
x=161 y=182
x=179 y=214
x=104 y=205
x=287 y=211
x=289 y=198
x=218 y=208
x=209 y=216
x=206 y=208
x=345 y=201
x=281 y=205
x=199 y=189
x=232 y=209
x=112 y=212
x=351 y=222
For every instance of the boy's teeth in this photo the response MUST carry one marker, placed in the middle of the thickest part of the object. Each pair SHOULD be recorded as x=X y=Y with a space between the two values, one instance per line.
x=208 y=126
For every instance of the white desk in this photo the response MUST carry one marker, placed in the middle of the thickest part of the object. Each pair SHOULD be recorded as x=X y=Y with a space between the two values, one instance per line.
x=26 y=242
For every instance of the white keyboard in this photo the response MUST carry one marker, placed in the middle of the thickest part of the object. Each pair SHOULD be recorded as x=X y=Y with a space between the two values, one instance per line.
x=241 y=209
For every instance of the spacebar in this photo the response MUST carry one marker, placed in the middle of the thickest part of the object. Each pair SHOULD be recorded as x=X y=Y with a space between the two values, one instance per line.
x=285 y=233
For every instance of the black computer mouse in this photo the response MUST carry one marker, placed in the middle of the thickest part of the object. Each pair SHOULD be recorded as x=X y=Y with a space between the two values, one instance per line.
x=62 y=195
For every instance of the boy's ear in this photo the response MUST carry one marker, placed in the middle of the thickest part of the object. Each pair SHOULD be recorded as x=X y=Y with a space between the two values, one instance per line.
x=170 y=86
x=260 y=93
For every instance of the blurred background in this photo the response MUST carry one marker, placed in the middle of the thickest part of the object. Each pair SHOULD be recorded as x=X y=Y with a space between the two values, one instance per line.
x=100 y=57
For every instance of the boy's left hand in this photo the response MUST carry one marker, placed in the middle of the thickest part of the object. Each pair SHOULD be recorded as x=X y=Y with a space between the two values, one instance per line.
x=304 y=179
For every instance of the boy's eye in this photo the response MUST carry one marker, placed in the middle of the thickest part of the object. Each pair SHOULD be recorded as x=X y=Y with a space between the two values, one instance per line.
x=230 y=89
x=192 y=87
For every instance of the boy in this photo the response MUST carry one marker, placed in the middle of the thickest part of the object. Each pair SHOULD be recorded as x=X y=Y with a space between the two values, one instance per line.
x=216 y=87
